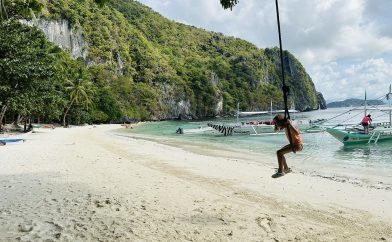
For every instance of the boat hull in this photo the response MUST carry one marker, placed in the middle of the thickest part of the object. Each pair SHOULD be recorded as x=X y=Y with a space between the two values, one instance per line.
x=254 y=129
x=357 y=138
x=5 y=141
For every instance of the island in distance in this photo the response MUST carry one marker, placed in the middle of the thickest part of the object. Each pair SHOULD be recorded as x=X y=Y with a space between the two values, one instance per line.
x=353 y=102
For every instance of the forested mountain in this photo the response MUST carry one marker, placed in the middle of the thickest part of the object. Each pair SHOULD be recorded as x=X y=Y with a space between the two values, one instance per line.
x=353 y=102
x=118 y=58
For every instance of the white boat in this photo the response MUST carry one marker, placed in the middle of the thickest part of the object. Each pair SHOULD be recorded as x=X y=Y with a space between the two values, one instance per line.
x=254 y=127
x=250 y=128
x=197 y=130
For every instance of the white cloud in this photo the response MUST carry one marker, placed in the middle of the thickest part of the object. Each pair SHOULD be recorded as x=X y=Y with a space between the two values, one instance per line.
x=324 y=35
x=372 y=76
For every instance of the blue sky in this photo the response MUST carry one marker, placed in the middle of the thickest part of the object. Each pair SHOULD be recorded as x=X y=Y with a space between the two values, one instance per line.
x=345 y=45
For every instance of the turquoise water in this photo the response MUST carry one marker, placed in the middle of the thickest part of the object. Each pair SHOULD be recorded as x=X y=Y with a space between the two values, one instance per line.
x=321 y=151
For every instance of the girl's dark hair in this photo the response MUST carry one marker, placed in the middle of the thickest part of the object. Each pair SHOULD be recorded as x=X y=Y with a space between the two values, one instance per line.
x=279 y=119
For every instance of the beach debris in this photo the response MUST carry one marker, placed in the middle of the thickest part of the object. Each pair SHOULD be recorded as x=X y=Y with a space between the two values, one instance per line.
x=98 y=204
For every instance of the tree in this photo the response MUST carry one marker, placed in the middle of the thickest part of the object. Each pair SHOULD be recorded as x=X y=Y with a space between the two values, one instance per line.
x=19 y=8
x=101 y=3
x=79 y=91
x=228 y=3
x=27 y=68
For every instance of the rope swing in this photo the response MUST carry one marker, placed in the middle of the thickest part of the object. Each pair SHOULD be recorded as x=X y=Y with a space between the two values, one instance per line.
x=285 y=88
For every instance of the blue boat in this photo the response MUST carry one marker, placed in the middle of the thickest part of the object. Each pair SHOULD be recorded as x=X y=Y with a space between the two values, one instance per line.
x=5 y=141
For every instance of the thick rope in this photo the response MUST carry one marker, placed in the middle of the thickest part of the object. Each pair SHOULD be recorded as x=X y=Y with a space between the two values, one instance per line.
x=285 y=88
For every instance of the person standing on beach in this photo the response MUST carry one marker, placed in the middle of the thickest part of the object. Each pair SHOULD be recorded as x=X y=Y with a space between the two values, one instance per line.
x=366 y=121
x=282 y=123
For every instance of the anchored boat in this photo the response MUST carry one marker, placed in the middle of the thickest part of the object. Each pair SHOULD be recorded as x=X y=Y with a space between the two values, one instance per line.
x=376 y=135
x=379 y=132
x=254 y=127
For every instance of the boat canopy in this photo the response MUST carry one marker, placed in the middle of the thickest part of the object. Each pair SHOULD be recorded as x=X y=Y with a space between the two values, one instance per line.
x=252 y=113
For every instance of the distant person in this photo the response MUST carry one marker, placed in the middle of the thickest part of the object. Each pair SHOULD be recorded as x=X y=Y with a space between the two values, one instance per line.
x=179 y=131
x=366 y=121
x=281 y=123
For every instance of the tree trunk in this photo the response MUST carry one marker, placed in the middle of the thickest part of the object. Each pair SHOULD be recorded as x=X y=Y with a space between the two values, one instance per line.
x=66 y=112
x=2 y=114
x=16 y=120
x=19 y=120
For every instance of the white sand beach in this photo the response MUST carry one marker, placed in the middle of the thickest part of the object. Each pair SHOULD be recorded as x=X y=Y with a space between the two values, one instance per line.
x=87 y=184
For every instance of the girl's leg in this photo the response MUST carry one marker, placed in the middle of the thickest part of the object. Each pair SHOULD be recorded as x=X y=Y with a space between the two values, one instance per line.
x=285 y=167
x=281 y=159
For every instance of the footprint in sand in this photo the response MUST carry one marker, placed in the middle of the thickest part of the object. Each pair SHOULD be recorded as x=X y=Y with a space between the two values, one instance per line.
x=43 y=231
x=265 y=223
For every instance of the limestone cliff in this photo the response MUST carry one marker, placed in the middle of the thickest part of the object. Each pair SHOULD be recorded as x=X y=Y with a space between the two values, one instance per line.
x=62 y=34
x=302 y=90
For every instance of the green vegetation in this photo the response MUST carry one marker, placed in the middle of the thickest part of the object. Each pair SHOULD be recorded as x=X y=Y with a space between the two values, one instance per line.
x=28 y=71
x=353 y=102
x=79 y=91
x=139 y=65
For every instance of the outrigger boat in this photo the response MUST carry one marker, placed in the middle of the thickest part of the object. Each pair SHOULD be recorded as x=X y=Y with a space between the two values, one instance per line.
x=376 y=135
x=251 y=128
x=380 y=131
x=256 y=127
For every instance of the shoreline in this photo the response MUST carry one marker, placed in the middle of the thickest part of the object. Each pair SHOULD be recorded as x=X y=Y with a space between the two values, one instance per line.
x=86 y=183
x=360 y=176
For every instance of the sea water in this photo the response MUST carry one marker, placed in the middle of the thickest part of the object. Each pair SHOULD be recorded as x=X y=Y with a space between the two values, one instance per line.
x=322 y=155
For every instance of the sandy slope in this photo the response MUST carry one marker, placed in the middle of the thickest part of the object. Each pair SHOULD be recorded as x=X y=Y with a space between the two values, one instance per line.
x=86 y=184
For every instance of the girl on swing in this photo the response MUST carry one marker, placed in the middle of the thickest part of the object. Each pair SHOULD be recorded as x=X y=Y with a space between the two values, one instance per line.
x=281 y=122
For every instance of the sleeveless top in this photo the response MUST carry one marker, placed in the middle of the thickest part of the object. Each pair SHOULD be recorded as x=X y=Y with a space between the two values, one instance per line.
x=365 y=120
